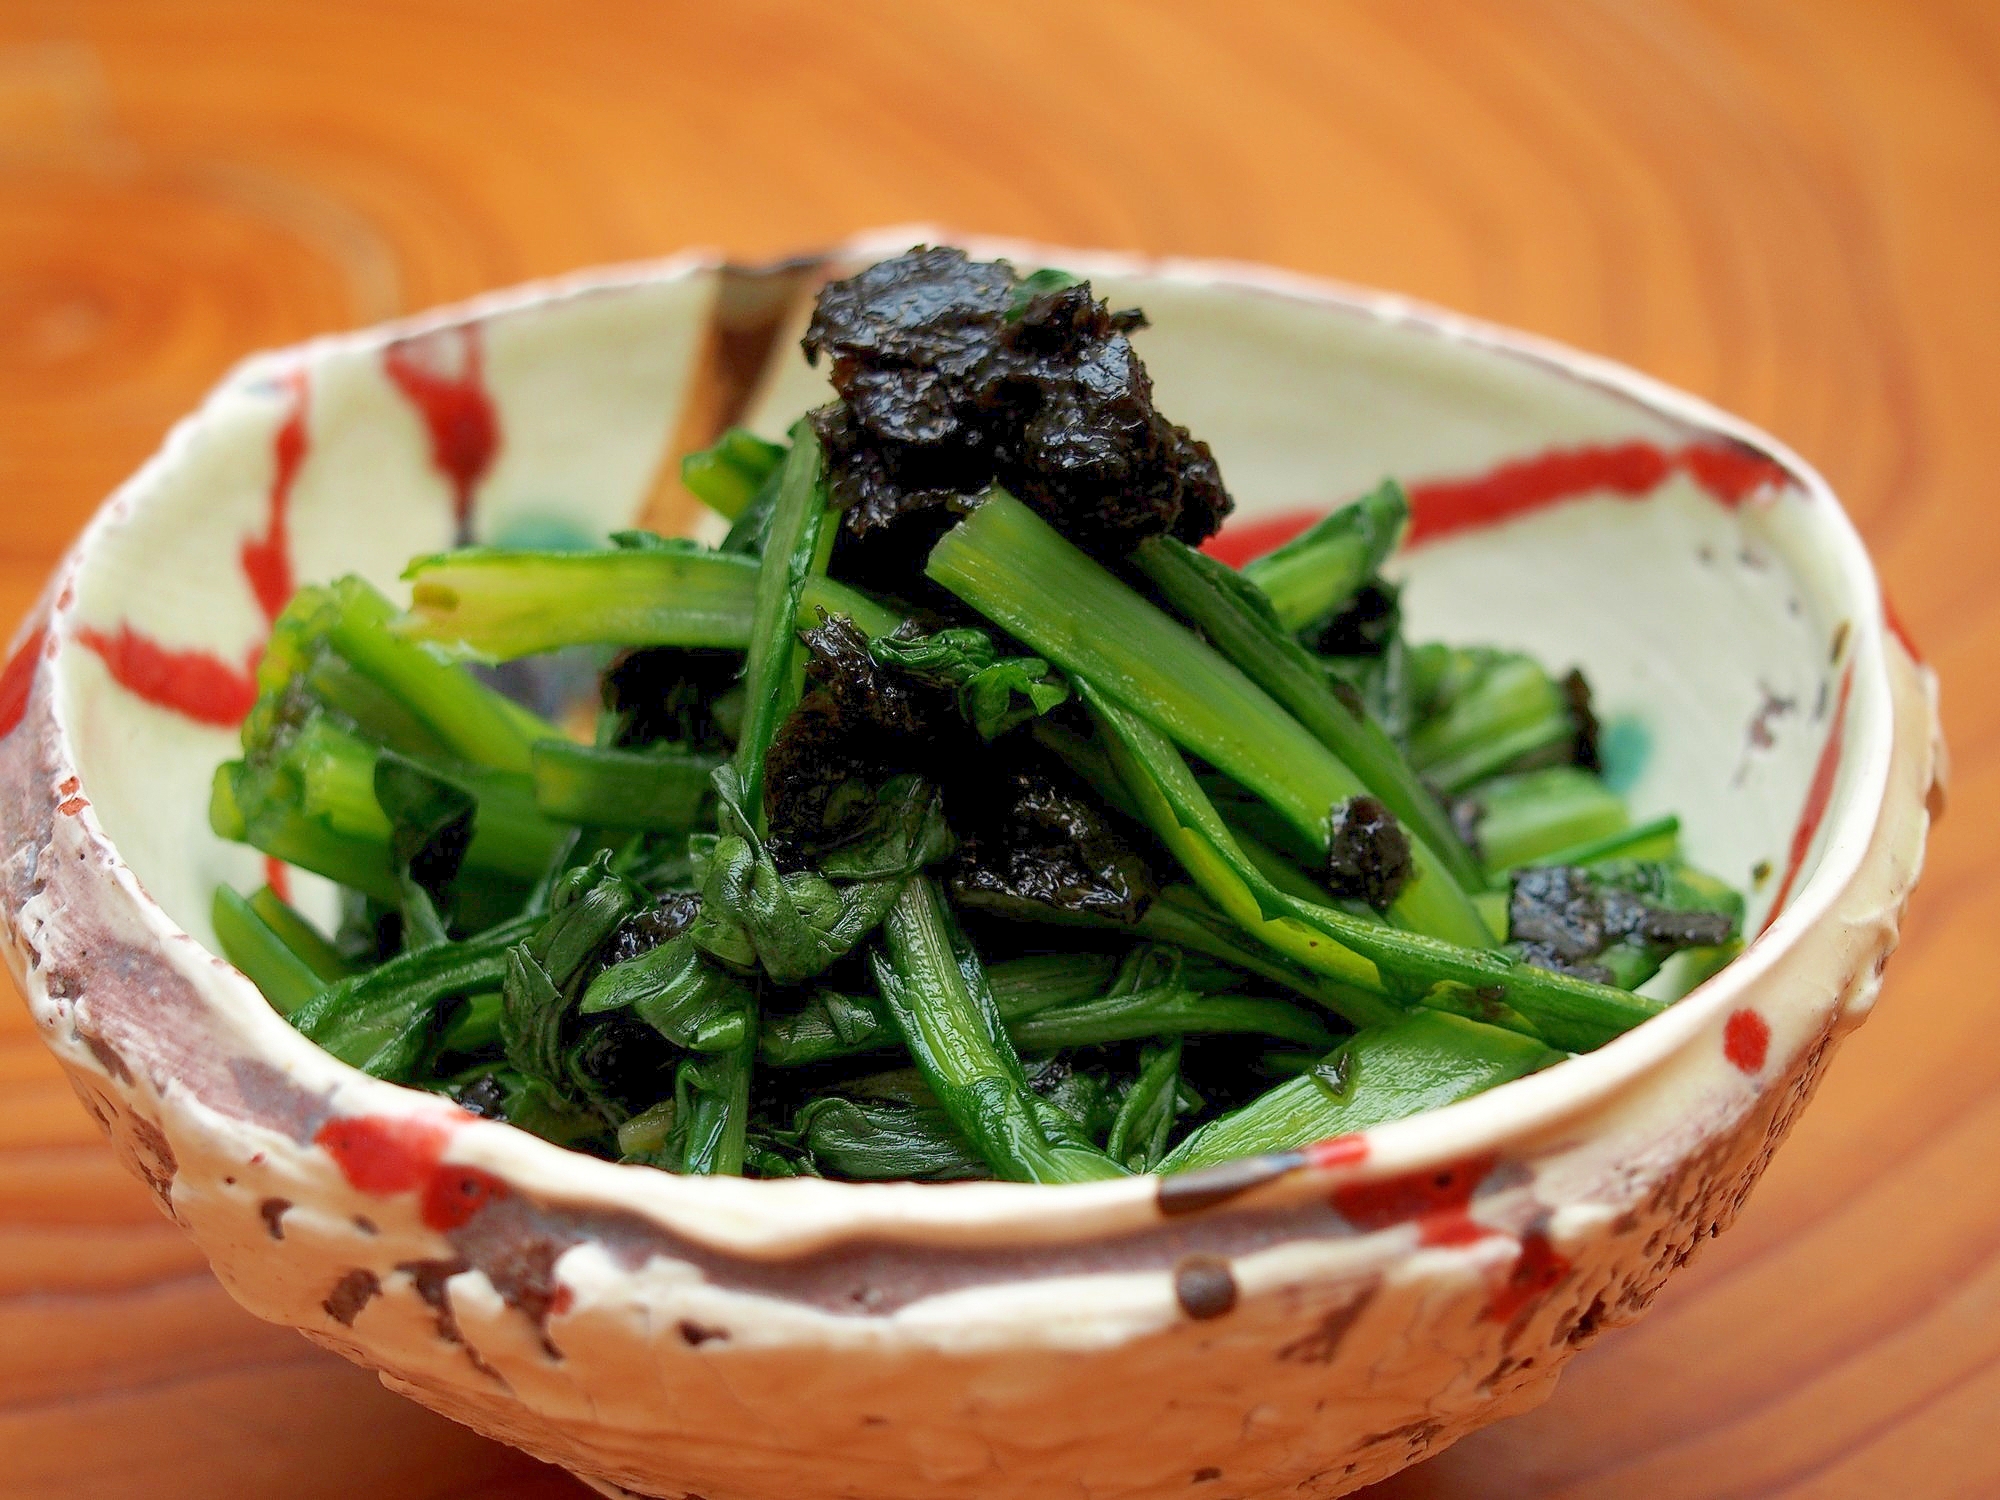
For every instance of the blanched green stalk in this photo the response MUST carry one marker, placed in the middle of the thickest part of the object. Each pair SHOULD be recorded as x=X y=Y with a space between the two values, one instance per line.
x=299 y=935
x=1531 y=814
x=1167 y=1012
x=1018 y=571
x=770 y=684
x=382 y=1021
x=1195 y=834
x=327 y=777
x=1211 y=598
x=1565 y=1011
x=1315 y=574
x=835 y=1024
x=1508 y=712
x=1146 y=1118
x=248 y=942
x=953 y=1031
x=718 y=1125
x=497 y=605
x=377 y=713
x=503 y=604
x=1424 y=1061
x=1657 y=839
x=726 y=475
x=1183 y=916
x=283 y=832
x=716 y=1131
x=1070 y=1007
x=599 y=787
x=475 y=723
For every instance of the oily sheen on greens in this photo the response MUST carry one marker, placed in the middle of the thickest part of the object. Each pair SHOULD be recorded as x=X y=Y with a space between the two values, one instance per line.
x=956 y=816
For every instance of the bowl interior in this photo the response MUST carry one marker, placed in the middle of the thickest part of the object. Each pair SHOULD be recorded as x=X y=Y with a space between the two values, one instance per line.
x=1713 y=600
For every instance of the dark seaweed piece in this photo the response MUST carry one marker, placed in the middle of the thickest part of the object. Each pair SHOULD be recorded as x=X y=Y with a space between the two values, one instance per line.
x=1078 y=436
x=1365 y=625
x=1368 y=855
x=631 y=1064
x=1613 y=923
x=907 y=339
x=669 y=693
x=671 y=914
x=1576 y=688
x=485 y=1095
x=858 y=723
x=950 y=379
x=1035 y=848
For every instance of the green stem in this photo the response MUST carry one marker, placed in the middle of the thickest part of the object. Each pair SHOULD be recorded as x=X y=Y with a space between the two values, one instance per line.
x=1018 y=571
x=1531 y=814
x=476 y=724
x=726 y=475
x=597 y=787
x=1315 y=574
x=1510 y=715
x=953 y=1030
x=248 y=942
x=1424 y=1061
x=1658 y=839
x=500 y=605
x=718 y=1128
x=769 y=679
x=382 y=1021
x=497 y=605
x=299 y=935
x=1565 y=1011
x=1212 y=598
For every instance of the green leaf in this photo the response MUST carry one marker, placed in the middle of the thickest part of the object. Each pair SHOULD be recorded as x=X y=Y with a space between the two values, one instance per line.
x=1424 y=1061
x=430 y=830
x=1151 y=1106
x=995 y=693
x=727 y=474
x=796 y=924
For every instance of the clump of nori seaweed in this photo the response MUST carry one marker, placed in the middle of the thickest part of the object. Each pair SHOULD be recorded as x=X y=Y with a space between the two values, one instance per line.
x=1566 y=918
x=954 y=374
x=1030 y=843
x=671 y=914
x=858 y=724
x=1034 y=847
x=664 y=693
x=1368 y=853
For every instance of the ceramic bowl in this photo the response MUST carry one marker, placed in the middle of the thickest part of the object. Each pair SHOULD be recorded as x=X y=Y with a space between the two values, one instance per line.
x=1298 y=1324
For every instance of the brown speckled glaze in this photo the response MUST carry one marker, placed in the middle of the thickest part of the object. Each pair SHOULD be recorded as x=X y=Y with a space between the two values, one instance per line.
x=1300 y=1324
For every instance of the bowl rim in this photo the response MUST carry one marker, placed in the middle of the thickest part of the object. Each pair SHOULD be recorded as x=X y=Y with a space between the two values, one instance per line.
x=792 y=1215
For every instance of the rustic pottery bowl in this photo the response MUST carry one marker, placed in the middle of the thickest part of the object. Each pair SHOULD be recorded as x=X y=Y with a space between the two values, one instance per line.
x=1300 y=1324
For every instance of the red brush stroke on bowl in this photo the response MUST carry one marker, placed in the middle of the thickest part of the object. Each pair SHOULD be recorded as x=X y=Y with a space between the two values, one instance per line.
x=449 y=392
x=1443 y=1193
x=1818 y=795
x=1538 y=1270
x=17 y=679
x=198 y=684
x=267 y=559
x=384 y=1154
x=1746 y=1040
x=1521 y=486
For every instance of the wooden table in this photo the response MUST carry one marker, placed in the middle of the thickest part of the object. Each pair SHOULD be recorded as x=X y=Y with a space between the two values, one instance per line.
x=1793 y=208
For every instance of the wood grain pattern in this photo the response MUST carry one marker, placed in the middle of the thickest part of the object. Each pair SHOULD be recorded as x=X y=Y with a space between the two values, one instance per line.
x=1787 y=205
